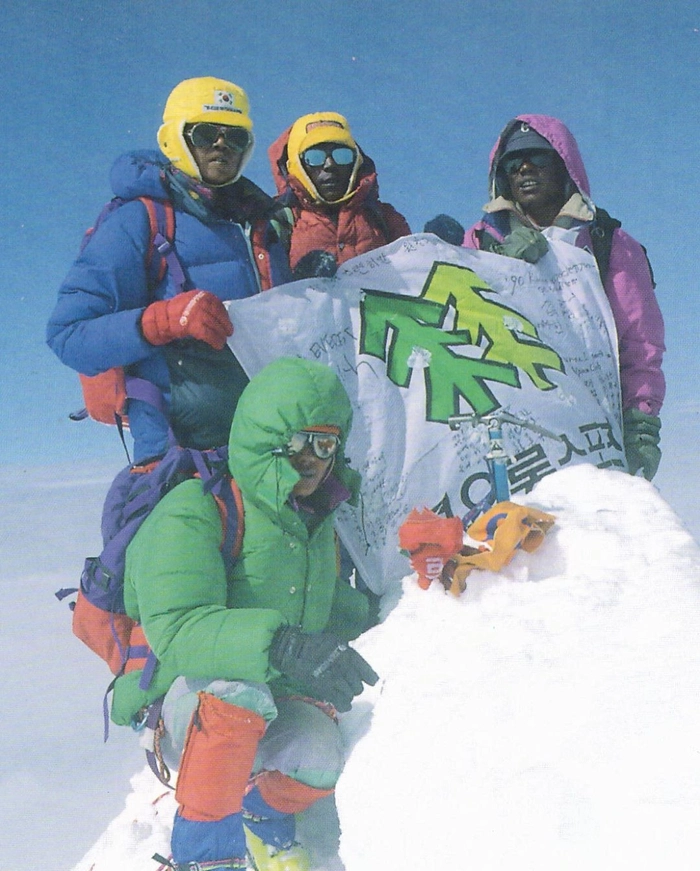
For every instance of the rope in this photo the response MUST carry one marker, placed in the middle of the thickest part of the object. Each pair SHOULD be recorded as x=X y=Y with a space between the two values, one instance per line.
x=163 y=770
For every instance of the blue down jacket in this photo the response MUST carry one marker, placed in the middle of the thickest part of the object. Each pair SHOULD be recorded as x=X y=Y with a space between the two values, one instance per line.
x=234 y=253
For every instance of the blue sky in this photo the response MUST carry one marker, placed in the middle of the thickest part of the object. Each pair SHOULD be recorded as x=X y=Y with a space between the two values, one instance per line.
x=426 y=87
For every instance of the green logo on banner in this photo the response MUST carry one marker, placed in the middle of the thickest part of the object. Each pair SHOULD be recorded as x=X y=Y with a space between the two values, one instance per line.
x=459 y=337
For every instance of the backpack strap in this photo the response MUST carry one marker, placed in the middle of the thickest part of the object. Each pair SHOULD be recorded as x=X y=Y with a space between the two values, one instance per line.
x=161 y=221
x=107 y=210
x=602 y=229
x=146 y=391
x=230 y=504
x=229 y=501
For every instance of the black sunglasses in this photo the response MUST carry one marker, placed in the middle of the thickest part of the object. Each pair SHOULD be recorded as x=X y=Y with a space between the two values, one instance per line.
x=204 y=135
x=540 y=159
x=341 y=155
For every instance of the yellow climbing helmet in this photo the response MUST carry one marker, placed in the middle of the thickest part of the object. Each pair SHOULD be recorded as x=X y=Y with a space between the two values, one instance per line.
x=313 y=129
x=201 y=99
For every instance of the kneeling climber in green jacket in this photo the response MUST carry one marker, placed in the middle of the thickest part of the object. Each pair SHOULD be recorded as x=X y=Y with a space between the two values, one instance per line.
x=253 y=656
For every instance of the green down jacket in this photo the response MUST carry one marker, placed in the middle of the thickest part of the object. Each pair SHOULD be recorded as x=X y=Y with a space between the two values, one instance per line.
x=201 y=623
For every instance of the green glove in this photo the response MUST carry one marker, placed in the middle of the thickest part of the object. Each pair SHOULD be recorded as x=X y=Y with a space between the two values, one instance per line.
x=641 y=437
x=523 y=243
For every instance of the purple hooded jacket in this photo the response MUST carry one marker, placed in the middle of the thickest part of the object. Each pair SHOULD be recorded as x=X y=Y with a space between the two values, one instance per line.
x=628 y=285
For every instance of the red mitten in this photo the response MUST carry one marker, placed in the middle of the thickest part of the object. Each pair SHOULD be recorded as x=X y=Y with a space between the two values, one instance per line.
x=431 y=542
x=197 y=314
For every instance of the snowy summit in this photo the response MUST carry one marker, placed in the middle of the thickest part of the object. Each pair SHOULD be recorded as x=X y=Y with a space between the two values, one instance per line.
x=547 y=718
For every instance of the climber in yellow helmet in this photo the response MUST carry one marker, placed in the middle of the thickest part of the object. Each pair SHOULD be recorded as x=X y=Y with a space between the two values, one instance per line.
x=125 y=307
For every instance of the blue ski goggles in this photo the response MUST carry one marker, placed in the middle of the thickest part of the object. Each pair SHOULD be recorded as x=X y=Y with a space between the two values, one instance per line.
x=204 y=135
x=511 y=164
x=341 y=155
x=323 y=444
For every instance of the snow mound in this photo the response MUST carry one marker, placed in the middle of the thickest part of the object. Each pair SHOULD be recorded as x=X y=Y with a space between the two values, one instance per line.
x=548 y=718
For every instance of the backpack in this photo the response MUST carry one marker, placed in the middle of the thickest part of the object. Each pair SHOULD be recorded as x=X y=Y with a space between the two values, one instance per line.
x=99 y=617
x=106 y=394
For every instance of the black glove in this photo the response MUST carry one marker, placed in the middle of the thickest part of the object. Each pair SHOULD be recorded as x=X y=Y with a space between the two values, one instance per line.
x=447 y=228
x=326 y=668
x=315 y=264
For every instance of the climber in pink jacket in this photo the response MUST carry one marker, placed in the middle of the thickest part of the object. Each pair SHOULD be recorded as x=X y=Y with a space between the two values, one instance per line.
x=537 y=179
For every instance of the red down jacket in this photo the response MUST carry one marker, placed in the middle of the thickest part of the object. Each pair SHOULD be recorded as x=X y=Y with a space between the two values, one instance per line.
x=363 y=222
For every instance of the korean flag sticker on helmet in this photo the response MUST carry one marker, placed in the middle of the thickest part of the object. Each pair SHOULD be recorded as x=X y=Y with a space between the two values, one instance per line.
x=223 y=100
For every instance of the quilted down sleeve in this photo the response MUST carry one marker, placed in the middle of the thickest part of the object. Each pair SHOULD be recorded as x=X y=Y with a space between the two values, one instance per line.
x=95 y=323
x=176 y=586
x=640 y=326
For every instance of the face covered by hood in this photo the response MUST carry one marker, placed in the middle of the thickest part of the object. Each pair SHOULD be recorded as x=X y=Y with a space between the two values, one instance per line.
x=557 y=135
x=288 y=395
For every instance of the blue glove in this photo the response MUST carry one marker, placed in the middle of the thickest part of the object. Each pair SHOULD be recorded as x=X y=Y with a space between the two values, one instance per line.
x=641 y=437
x=325 y=667
x=447 y=228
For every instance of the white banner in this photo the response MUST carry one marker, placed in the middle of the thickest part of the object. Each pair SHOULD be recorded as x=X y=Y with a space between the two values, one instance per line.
x=420 y=332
